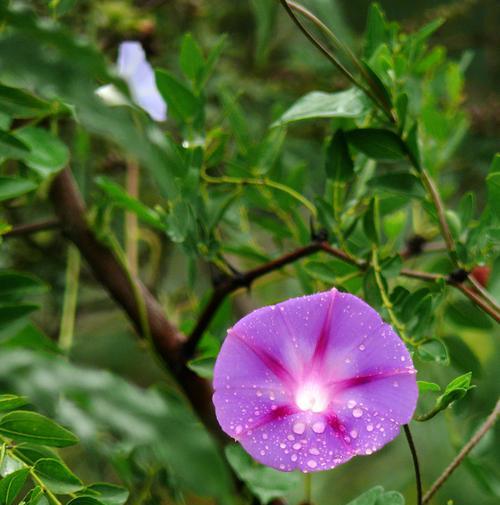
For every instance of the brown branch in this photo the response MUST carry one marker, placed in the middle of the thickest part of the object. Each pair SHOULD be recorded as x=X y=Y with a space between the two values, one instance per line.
x=31 y=228
x=472 y=295
x=244 y=280
x=488 y=424
x=166 y=338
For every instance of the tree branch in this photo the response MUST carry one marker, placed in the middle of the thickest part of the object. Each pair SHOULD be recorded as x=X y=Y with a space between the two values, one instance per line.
x=244 y=280
x=488 y=424
x=166 y=338
x=29 y=229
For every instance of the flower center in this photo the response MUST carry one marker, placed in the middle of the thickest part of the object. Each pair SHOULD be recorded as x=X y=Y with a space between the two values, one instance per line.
x=311 y=396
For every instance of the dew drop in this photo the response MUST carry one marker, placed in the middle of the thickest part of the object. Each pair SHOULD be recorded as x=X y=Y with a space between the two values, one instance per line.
x=262 y=453
x=362 y=347
x=368 y=452
x=312 y=463
x=319 y=427
x=354 y=434
x=314 y=451
x=294 y=457
x=291 y=438
x=351 y=404
x=259 y=393
x=369 y=427
x=238 y=429
x=357 y=412
x=297 y=446
x=299 y=428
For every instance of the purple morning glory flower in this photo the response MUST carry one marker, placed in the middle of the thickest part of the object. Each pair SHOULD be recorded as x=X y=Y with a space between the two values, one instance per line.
x=135 y=70
x=311 y=382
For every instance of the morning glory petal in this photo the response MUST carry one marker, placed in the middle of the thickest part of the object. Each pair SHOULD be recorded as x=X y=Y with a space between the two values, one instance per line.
x=311 y=382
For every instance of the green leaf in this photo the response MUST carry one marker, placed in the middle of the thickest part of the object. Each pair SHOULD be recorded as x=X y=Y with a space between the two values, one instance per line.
x=48 y=154
x=434 y=350
x=381 y=145
x=424 y=386
x=20 y=104
x=35 y=428
x=264 y=482
x=109 y=494
x=493 y=182
x=464 y=314
x=182 y=104
x=264 y=12
x=204 y=366
x=455 y=391
x=391 y=498
x=192 y=60
x=14 y=312
x=322 y=271
x=339 y=165
x=11 y=147
x=122 y=199
x=35 y=497
x=369 y=497
x=85 y=500
x=57 y=477
x=412 y=144
x=371 y=221
x=344 y=104
x=19 y=284
x=11 y=402
x=398 y=182
x=377 y=32
x=12 y=187
x=11 y=485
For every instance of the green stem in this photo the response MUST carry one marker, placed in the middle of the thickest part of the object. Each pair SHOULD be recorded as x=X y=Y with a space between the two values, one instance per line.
x=252 y=181
x=308 y=489
x=416 y=464
x=433 y=192
x=385 y=298
x=67 y=329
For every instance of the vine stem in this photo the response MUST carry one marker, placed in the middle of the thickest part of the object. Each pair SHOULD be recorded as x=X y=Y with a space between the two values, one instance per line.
x=438 y=204
x=252 y=181
x=487 y=425
x=308 y=488
x=67 y=329
x=416 y=464
x=131 y=221
x=385 y=298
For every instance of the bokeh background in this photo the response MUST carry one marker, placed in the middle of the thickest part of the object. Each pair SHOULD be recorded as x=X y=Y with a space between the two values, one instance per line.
x=269 y=65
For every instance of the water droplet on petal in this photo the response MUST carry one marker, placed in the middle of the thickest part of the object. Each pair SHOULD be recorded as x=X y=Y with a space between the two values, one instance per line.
x=297 y=446
x=354 y=434
x=357 y=412
x=299 y=428
x=369 y=427
x=314 y=451
x=351 y=404
x=362 y=347
x=282 y=445
x=368 y=452
x=312 y=463
x=294 y=457
x=238 y=429
x=319 y=427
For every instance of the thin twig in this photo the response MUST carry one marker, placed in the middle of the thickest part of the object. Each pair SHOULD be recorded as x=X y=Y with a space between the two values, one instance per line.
x=440 y=209
x=484 y=292
x=416 y=464
x=31 y=228
x=488 y=424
